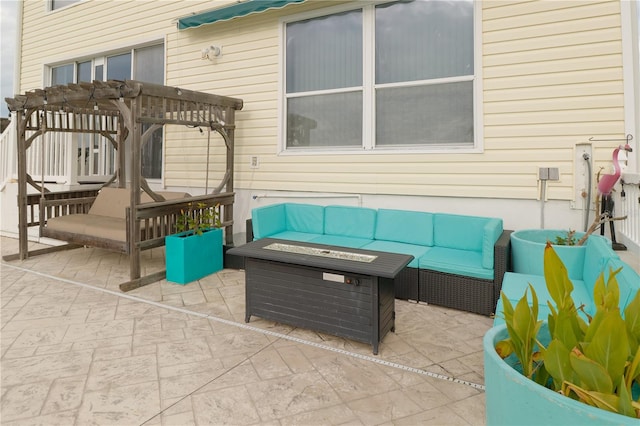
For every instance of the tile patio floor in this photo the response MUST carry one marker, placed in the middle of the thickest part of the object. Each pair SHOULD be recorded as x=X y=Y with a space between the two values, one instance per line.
x=77 y=351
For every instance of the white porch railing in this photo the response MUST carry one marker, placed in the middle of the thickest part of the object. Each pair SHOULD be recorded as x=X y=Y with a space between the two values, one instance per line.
x=629 y=205
x=63 y=158
x=7 y=154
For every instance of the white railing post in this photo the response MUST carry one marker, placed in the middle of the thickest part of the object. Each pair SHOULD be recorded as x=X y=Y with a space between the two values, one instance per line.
x=8 y=159
x=629 y=206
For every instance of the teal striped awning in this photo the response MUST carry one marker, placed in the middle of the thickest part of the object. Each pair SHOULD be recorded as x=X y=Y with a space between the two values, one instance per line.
x=231 y=11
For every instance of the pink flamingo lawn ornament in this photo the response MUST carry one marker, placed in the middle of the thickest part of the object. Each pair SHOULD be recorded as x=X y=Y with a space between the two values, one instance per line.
x=607 y=182
x=605 y=186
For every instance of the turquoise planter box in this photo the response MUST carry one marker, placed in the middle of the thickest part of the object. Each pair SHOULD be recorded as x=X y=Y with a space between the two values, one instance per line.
x=191 y=257
x=512 y=399
x=527 y=251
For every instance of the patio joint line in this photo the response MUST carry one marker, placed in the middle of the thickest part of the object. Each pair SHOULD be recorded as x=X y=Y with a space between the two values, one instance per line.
x=263 y=331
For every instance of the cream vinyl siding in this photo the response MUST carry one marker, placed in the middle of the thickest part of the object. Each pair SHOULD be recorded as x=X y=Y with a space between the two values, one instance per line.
x=551 y=77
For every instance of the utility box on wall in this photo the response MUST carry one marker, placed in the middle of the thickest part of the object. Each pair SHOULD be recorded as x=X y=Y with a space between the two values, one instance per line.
x=549 y=173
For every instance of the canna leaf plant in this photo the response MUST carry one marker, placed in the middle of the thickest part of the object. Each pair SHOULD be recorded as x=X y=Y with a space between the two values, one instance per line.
x=198 y=218
x=596 y=361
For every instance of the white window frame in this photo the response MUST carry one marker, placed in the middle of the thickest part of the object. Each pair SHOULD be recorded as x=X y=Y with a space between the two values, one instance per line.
x=369 y=88
x=101 y=59
x=630 y=16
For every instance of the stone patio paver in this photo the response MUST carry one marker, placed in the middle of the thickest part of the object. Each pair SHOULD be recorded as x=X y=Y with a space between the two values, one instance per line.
x=169 y=354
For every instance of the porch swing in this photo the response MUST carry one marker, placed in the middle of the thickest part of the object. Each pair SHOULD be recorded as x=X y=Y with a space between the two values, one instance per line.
x=116 y=217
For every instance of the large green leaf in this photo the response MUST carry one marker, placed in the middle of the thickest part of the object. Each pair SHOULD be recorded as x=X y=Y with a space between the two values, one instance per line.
x=632 y=316
x=601 y=400
x=594 y=325
x=599 y=291
x=625 y=404
x=507 y=308
x=610 y=346
x=612 y=296
x=556 y=277
x=633 y=370
x=592 y=376
x=504 y=348
x=556 y=361
x=567 y=329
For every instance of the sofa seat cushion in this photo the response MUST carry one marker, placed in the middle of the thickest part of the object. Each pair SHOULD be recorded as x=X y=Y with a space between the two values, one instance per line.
x=455 y=261
x=73 y=223
x=110 y=228
x=338 y=240
x=402 y=248
x=515 y=284
x=294 y=236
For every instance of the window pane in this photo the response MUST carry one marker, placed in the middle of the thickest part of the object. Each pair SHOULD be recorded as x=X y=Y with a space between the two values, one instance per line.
x=325 y=53
x=62 y=75
x=99 y=72
x=84 y=71
x=150 y=64
x=426 y=115
x=57 y=4
x=119 y=67
x=325 y=120
x=422 y=40
x=152 y=155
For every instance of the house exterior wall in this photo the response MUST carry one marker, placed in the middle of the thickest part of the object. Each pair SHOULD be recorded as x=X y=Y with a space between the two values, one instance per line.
x=551 y=77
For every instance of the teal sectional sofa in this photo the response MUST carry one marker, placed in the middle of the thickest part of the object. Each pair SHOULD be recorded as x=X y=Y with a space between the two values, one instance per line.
x=583 y=271
x=459 y=261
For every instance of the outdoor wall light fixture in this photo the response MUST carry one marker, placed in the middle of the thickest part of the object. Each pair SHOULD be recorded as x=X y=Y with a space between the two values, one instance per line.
x=211 y=52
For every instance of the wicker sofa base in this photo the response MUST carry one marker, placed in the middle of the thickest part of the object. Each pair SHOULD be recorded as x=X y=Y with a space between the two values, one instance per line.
x=457 y=292
x=406 y=284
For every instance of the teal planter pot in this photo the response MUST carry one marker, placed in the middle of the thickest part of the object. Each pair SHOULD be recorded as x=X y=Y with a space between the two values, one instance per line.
x=191 y=257
x=512 y=399
x=527 y=251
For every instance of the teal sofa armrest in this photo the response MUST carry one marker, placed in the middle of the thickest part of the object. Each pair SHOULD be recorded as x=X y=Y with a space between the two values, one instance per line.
x=491 y=232
x=268 y=220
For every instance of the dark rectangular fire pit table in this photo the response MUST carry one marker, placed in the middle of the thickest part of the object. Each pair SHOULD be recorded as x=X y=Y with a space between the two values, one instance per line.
x=341 y=291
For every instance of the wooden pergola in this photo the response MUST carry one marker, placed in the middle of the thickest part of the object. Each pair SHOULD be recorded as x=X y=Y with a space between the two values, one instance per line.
x=126 y=113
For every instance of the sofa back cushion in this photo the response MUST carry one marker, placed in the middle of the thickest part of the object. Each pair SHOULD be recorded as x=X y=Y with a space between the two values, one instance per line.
x=268 y=220
x=458 y=232
x=304 y=218
x=598 y=253
x=405 y=226
x=111 y=202
x=347 y=221
x=472 y=233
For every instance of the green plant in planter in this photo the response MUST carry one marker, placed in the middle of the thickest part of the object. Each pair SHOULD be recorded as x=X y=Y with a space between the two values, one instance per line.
x=568 y=240
x=198 y=218
x=596 y=361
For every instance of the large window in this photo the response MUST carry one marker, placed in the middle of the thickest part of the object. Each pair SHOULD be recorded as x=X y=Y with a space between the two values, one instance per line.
x=396 y=75
x=143 y=64
x=59 y=4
